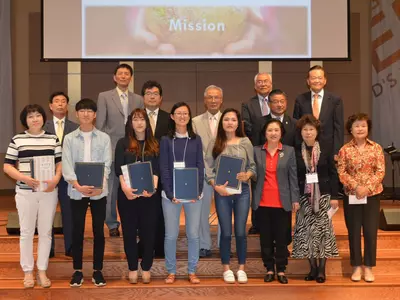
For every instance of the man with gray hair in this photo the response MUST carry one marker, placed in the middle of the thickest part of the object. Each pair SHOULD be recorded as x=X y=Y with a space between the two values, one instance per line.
x=206 y=126
x=253 y=112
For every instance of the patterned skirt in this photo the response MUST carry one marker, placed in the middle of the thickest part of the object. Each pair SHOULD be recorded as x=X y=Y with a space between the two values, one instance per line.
x=313 y=235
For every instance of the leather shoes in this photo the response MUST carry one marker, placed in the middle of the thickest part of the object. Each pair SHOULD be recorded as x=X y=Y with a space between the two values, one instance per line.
x=253 y=230
x=282 y=279
x=114 y=232
x=205 y=253
x=269 y=277
x=310 y=277
x=320 y=279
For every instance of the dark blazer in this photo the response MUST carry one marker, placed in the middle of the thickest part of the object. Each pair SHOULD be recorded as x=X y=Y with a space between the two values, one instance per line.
x=162 y=124
x=327 y=175
x=290 y=130
x=69 y=126
x=331 y=117
x=286 y=174
x=252 y=117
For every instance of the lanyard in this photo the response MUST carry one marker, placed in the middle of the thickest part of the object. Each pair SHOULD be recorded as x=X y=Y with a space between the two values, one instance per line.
x=184 y=151
x=144 y=145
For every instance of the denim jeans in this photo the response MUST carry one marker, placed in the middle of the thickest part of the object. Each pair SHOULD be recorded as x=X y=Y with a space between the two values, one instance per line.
x=240 y=205
x=172 y=213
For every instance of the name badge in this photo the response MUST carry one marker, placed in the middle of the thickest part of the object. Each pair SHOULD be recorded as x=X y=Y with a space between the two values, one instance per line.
x=179 y=164
x=312 y=178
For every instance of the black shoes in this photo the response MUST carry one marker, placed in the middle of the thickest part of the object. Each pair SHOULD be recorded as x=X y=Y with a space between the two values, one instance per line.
x=253 y=230
x=269 y=277
x=205 y=253
x=51 y=254
x=283 y=279
x=311 y=276
x=77 y=279
x=321 y=278
x=114 y=232
x=98 y=279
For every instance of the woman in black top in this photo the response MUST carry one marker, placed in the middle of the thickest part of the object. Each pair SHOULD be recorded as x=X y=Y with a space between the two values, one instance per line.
x=137 y=213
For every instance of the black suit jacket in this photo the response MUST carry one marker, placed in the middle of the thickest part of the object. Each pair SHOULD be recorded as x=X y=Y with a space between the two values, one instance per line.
x=162 y=124
x=252 y=117
x=327 y=175
x=290 y=130
x=69 y=126
x=331 y=117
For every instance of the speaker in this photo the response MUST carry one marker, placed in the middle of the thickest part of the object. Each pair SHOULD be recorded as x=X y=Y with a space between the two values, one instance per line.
x=12 y=226
x=389 y=219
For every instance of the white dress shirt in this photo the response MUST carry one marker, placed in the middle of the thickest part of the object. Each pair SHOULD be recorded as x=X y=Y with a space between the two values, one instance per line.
x=155 y=116
x=55 y=121
x=320 y=98
x=261 y=99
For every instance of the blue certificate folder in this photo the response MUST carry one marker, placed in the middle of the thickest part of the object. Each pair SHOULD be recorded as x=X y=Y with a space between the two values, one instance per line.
x=140 y=177
x=90 y=173
x=228 y=168
x=186 y=184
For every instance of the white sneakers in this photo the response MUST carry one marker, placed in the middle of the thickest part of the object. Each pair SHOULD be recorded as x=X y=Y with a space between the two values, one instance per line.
x=229 y=277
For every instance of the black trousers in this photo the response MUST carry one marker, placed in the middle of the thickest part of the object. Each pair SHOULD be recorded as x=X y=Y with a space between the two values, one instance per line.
x=365 y=216
x=98 y=211
x=160 y=229
x=274 y=226
x=138 y=216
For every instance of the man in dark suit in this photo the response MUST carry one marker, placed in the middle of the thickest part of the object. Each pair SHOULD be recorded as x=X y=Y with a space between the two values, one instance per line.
x=113 y=108
x=61 y=126
x=278 y=105
x=252 y=113
x=325 y=106
x=159 y=119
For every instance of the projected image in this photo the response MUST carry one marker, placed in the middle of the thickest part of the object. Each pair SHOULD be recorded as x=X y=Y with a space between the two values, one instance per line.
x=196 y=31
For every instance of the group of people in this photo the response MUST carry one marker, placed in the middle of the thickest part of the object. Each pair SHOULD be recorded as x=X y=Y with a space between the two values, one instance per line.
x=290 y=164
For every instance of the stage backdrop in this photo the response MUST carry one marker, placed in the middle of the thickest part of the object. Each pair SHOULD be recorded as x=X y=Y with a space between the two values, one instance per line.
x=385 y=38
x=6 y=104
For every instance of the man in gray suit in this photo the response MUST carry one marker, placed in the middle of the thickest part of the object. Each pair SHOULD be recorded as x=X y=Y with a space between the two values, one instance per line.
x=113 y=109
x=61 y=126
x=206 y=126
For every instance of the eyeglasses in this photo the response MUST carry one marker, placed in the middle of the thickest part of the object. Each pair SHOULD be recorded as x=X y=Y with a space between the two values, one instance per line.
x=213 y=97
x=179 y=114
x=266 y=81
x=152 y=94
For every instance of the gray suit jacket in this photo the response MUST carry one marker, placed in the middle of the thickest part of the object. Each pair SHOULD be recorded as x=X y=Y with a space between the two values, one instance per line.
x=286 y=175
x=201 y=127
x=110 y=114
x=69 y=126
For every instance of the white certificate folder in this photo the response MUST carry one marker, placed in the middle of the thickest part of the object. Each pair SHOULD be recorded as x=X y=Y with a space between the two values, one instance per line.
x=186 y=184
x=139 y=176
x=42 y=168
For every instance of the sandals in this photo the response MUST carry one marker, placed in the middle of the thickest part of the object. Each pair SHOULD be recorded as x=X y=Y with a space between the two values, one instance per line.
x=193 y=279
x=170 y=279
x=29 y=281
x=43 y=280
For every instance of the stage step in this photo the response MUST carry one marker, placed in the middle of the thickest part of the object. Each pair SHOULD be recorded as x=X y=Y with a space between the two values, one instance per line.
x=115 y=266
x=384 y=288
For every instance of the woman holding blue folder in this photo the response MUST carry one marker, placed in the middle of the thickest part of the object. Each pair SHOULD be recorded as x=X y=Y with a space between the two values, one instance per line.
x=137 y=212
x=230 y=141
x=180 y=149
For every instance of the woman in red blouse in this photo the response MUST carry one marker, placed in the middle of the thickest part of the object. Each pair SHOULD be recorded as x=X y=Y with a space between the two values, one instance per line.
x=361 y=169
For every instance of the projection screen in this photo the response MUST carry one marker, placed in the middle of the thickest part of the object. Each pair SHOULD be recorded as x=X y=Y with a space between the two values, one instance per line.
x=195 y=29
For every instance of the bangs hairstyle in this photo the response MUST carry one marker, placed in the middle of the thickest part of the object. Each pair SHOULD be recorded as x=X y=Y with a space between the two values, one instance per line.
x=270 y=121
x=309 y=120
x=86 y=103
x=358 y=117
x=151 y=147
x=221 y=139
x=30 y=108
x=172 y=125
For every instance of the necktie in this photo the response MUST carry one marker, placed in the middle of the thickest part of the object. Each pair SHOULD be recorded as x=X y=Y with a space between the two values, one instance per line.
x=265 y=106
x=60 y=130
x=213 y=126
x=315 y=108
x=124 y=103
x=152 y=121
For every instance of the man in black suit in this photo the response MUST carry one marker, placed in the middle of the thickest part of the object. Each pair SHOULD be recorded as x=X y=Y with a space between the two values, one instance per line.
x=325 y=106
x=253 y=112
x=278 y=105
x=61 y=126
x=159 y=119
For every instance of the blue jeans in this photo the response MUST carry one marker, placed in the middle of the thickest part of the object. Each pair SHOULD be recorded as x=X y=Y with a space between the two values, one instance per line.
x=172 y=213
x=240 y=205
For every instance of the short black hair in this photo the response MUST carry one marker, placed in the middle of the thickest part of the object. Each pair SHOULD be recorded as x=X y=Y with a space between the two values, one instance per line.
x=316 y=67
x=151 y=84
x=123 y=66
x=277 y=92
x=172 y=125
x=30 y=108
x=272 y=120
x=86 y=103
x=55 y=94
x=358 y=117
